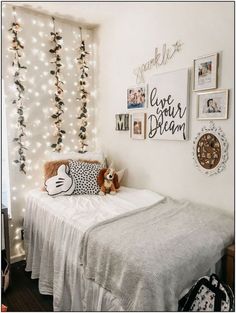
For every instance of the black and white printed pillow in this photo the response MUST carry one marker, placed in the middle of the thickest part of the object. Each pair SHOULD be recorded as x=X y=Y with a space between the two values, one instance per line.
x=84 y=175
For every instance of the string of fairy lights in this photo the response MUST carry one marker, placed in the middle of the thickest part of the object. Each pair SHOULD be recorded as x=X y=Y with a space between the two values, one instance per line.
x=59 y=106
x=83 y=94
x=18 y=101
x=56 y=39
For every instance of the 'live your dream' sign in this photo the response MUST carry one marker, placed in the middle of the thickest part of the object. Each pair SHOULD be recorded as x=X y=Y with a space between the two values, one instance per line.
x=168 y=106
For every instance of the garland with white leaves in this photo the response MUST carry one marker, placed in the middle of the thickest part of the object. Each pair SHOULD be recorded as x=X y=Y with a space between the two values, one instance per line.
x=56 y=39
x=83 y=95
x=17 y=49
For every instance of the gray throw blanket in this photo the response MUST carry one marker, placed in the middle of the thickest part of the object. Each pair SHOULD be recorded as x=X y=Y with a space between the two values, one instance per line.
x=147 y=257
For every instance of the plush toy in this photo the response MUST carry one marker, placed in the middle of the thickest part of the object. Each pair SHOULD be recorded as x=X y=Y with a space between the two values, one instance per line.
x=108 y=181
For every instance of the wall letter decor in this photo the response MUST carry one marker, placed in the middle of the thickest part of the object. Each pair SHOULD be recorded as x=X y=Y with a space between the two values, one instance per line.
x=122 y=121
x=160 y=58
x=168 y=106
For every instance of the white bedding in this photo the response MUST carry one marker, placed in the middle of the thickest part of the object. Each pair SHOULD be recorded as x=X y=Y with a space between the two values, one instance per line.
x=53 y=230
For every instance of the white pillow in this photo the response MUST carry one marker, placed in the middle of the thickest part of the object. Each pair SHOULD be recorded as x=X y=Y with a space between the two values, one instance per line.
x=120 y=174
x=90 y=156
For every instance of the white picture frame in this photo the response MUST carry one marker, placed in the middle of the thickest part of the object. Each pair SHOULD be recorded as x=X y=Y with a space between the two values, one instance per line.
x=138 y=126
x=212 y=105
x=205 y=71
x=136 y=97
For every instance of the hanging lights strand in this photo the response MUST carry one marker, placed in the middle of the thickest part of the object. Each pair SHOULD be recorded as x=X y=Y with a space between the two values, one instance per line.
x=56 y=40
x=17 y=49
x=82 y=95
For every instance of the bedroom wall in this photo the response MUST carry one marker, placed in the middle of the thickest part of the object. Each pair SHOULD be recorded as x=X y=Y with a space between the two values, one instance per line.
x=130 y=39
x=38 y=105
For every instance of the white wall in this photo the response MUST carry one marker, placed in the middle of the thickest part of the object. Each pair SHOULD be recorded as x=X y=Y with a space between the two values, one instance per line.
x=129 y=40
x=38 y=105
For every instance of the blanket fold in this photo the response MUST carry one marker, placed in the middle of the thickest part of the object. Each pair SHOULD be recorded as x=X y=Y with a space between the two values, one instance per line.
x=147 y=257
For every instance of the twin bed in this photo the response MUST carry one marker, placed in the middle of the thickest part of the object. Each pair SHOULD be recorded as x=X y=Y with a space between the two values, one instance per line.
x=133 y=251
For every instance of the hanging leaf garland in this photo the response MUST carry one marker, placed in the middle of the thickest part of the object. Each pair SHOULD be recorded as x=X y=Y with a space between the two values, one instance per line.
x=56 y=39
x=17 y=49
x=83 y=95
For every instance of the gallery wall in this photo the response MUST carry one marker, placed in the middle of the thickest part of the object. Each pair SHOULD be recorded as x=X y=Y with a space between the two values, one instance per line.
x=129 y=40
x=39 y=90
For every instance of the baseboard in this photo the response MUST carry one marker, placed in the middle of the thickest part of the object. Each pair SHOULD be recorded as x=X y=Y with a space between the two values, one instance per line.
x=17 y=258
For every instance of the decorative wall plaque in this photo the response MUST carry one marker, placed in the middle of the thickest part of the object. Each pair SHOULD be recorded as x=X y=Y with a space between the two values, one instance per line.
x=210 y=150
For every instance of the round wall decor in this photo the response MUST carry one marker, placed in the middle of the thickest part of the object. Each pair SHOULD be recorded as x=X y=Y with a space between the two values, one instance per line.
x=210 y=150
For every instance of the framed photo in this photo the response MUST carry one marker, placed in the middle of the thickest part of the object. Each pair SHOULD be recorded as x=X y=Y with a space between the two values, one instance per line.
x=138 y=126
x=213 y=105
x=122 y=121
x=136 y=97
x=205 y=72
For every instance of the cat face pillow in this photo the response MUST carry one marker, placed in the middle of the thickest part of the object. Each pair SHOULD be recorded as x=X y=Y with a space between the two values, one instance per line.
x=61 y=184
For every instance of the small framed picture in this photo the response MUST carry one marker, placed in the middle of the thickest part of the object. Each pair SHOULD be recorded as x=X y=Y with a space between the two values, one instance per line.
x=213 y=105
x=205 y=72
x=122 y=121
x=136 y=97
x=138 y=126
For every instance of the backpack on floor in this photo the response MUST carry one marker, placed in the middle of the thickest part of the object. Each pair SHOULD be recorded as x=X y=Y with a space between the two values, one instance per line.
x=208 y=294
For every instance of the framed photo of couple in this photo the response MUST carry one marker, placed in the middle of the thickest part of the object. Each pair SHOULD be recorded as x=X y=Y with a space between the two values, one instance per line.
x=213 y=105
x=205 y=72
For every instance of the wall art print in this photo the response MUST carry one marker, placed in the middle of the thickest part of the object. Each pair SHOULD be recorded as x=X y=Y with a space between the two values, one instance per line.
x=210 y=150
x=168 y=104
x=122 y=122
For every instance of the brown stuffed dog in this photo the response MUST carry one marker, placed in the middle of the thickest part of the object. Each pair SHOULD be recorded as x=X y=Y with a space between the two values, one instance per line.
x=108 y=181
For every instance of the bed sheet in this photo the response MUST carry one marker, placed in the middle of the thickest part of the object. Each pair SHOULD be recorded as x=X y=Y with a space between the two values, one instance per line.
x=53 y=230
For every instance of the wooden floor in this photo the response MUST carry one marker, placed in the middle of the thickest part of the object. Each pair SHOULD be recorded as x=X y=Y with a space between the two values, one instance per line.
x=23 y=294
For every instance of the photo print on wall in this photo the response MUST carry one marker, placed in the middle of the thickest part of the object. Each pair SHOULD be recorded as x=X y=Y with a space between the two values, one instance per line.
x=122 y=122
x=205 y=72
x=213 y=105
x=138 y=126
x=136 y=97
x=168 y=106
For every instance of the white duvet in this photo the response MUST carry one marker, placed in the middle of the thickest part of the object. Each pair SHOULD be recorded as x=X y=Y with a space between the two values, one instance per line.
x=53 y=231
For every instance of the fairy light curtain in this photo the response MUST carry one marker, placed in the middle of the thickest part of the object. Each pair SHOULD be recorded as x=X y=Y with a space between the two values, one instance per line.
x=39 y=88
x=17 y=48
